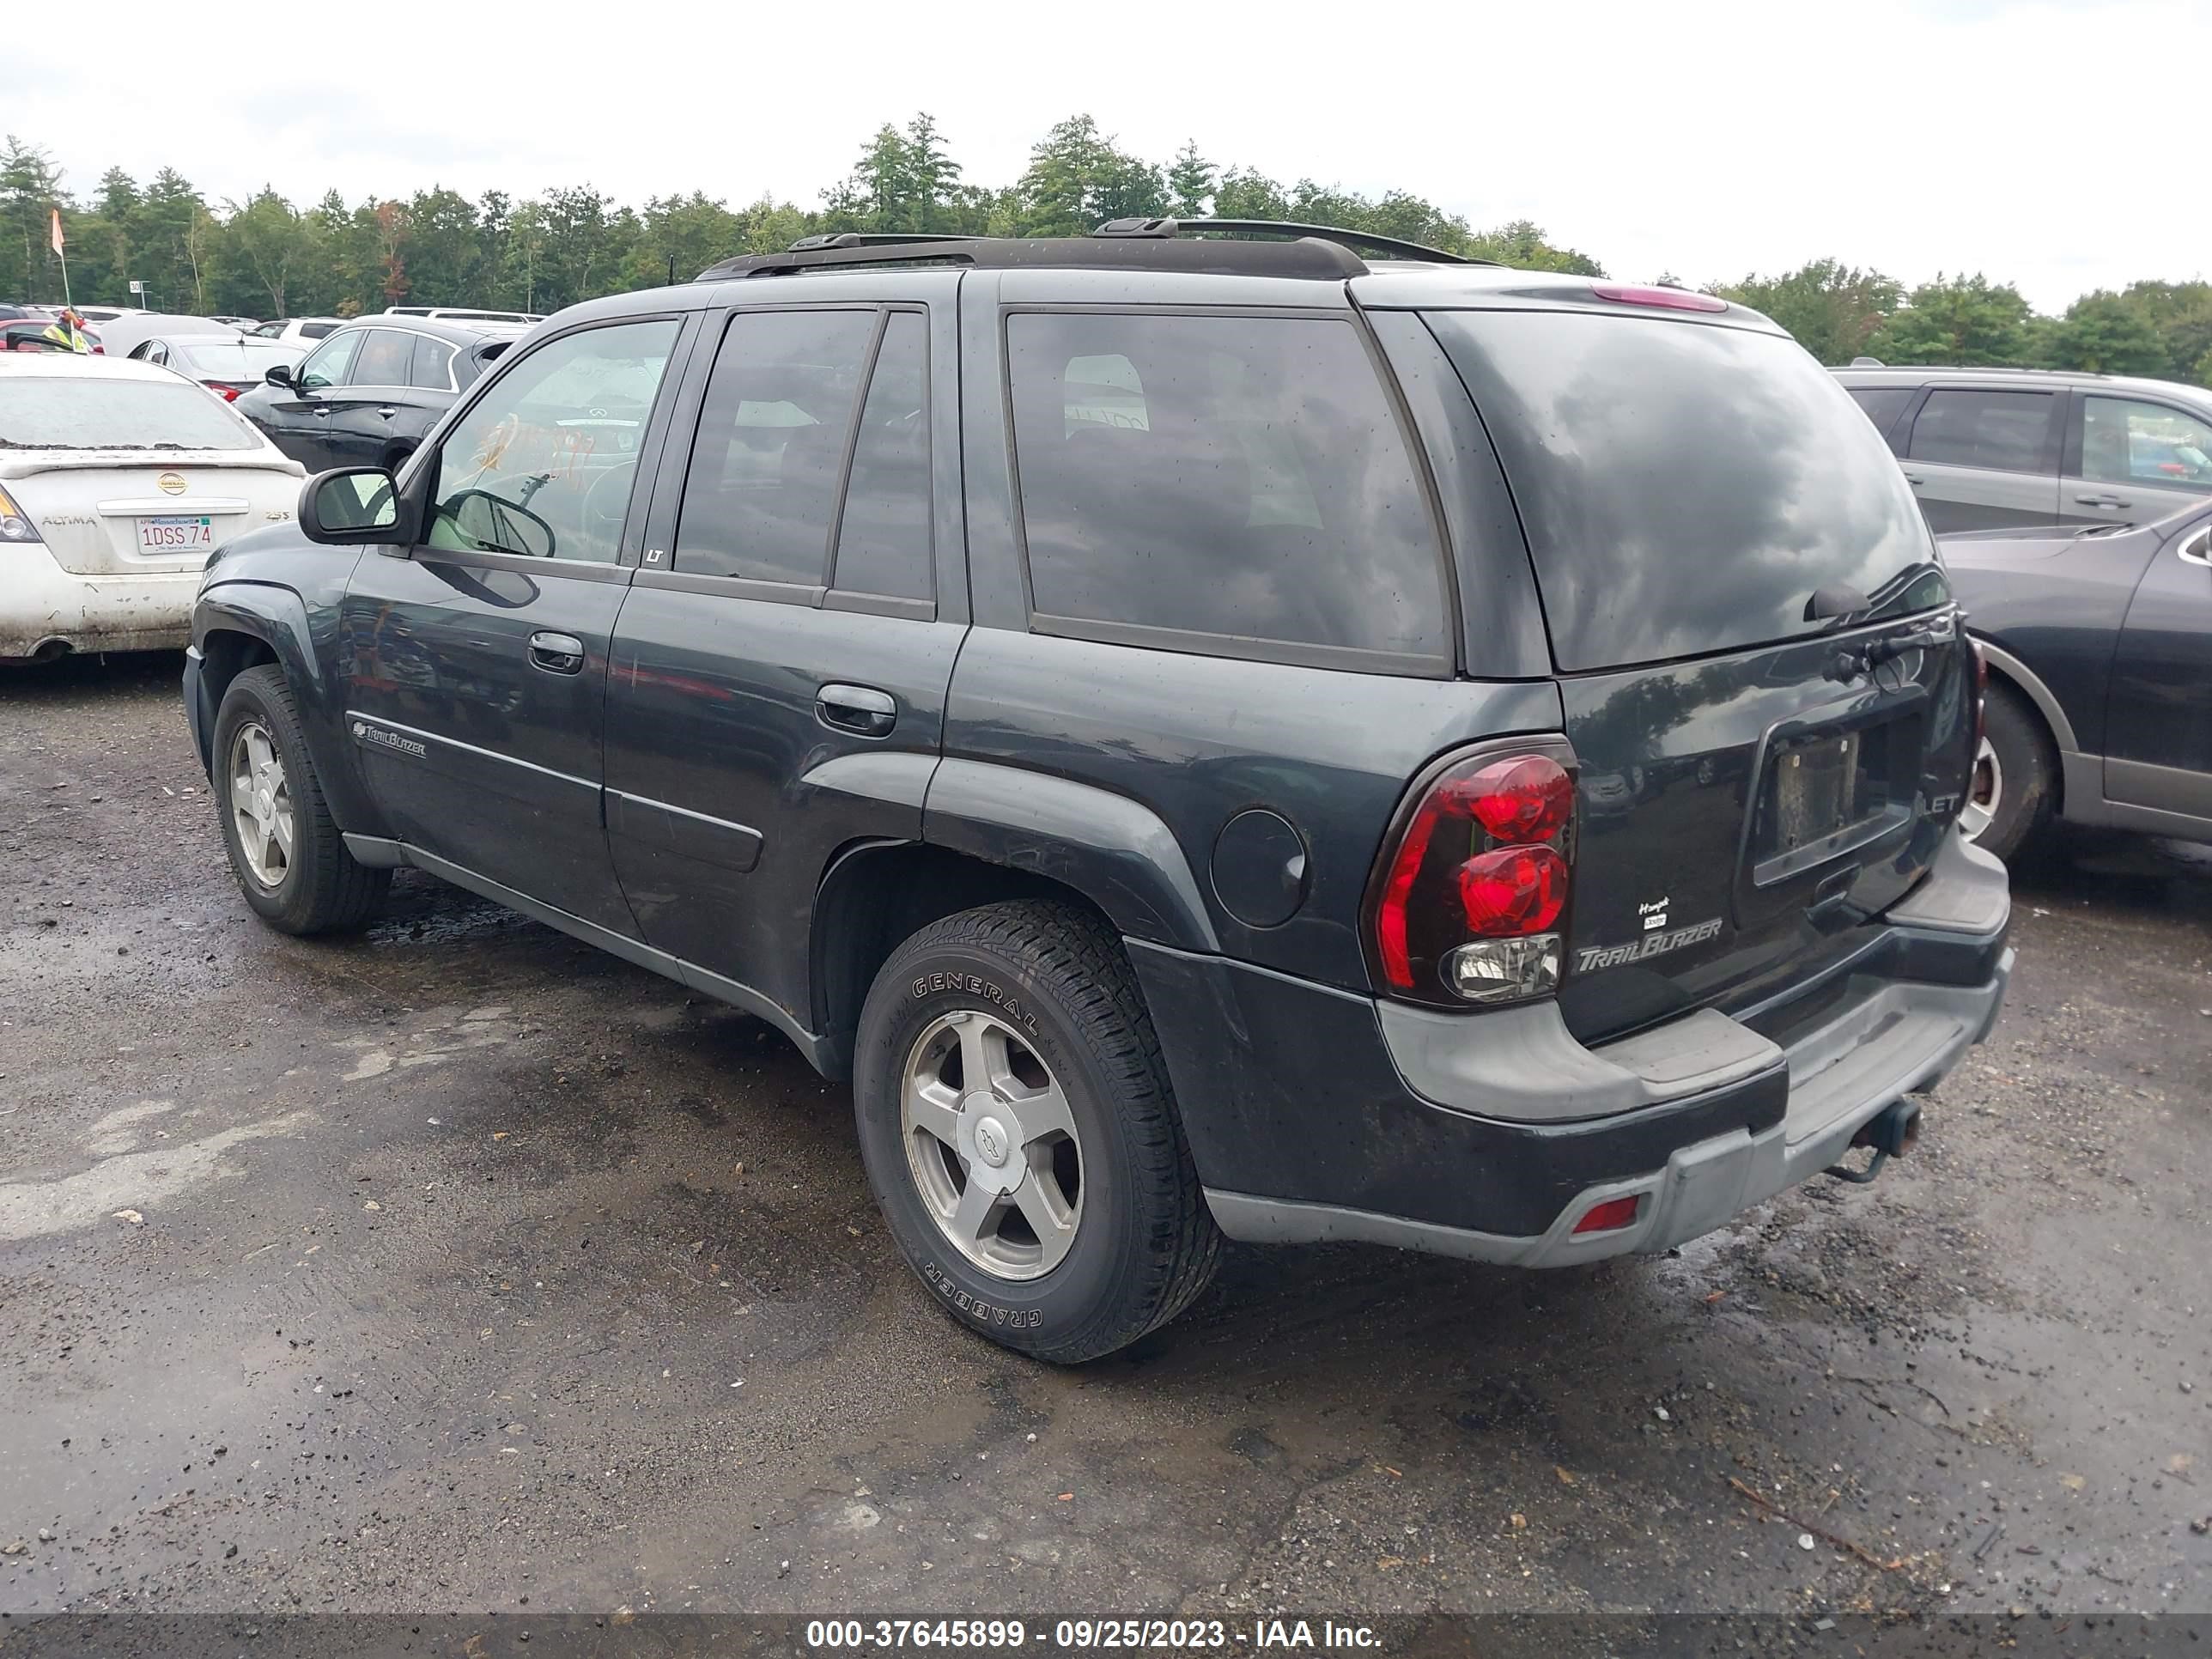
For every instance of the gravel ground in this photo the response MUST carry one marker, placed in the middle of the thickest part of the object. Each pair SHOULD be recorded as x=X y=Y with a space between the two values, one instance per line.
x=461 y=1268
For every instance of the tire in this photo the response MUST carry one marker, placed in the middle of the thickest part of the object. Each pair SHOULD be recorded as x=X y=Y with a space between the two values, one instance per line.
x=314 y=886
x=1052 y=983
x=2014 y=793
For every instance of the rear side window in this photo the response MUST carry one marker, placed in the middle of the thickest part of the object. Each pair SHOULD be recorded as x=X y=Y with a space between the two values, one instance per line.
x=1883 y=404
x=884 y=542
x=1241 y=482
x=2003 y=431
x=1686 y=487
x=762 y=490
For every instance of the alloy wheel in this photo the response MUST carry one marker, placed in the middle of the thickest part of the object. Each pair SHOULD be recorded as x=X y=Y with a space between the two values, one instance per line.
x=261 y=805
x=1984 y=793
x=991 y=1145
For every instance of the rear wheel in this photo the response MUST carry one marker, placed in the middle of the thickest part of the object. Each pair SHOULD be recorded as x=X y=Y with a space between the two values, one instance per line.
x=285 y=849
x=1021 y=1135
x=2014 y=790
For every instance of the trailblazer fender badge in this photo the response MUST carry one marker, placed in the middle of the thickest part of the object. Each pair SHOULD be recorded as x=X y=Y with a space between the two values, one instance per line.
x=1591 y=958
x=365 y=733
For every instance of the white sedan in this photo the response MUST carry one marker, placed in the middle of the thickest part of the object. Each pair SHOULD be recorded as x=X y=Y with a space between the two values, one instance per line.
x=116 y=480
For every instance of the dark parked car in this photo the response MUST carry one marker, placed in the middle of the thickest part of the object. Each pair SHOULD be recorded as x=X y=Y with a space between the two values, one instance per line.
x=2099 y=647
x=1999 y=448
x=1210 y=735
x=367 y=394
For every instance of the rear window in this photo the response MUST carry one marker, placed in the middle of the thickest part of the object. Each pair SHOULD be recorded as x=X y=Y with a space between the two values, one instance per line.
x=223 y=360
x=37 y=412
x=1685 y=487
x=1236 y=485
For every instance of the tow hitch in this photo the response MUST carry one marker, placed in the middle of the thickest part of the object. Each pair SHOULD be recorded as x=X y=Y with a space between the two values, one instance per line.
x=1891 y=1132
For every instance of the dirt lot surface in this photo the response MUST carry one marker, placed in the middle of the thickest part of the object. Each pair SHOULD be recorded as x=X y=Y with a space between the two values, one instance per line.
x=461 y=1268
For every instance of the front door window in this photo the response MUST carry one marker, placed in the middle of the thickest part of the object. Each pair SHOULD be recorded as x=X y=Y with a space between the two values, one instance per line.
x=543 y=464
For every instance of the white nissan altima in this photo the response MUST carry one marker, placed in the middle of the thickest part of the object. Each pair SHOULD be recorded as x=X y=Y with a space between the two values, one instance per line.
x=116 y=480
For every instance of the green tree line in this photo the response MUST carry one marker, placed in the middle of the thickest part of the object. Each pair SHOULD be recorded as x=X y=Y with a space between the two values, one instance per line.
x=267 y=257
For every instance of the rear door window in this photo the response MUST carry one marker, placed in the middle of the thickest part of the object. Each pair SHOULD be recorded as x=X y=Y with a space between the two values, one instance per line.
x=761 y=496
x=1686 y=487
x=385 y=357
x=1234 y=485
x=2001 y=431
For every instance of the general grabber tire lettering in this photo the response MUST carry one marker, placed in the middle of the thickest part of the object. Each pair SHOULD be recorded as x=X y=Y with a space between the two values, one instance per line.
x=289 y=859
x=1053 y=1208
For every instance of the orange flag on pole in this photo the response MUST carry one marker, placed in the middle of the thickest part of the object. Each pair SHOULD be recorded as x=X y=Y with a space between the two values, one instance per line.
x=57 y=230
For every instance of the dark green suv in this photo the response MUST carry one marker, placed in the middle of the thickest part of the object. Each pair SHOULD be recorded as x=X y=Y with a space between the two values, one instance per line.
x=1213 y=736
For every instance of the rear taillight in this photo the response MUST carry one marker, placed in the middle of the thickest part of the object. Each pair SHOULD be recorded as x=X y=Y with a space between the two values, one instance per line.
x=1469 y=898
x=228 y=394
x=15 y=524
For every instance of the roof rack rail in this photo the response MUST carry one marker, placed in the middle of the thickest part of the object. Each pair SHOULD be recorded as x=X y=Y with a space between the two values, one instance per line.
x=1355 y=239
x=1257 y=247
x=874 y=239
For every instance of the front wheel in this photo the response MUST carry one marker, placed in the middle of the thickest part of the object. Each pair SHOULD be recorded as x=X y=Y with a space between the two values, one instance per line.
x=1021 y=1135
x=286 y=850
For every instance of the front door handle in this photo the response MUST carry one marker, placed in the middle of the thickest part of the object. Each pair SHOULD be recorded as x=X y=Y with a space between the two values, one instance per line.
x=387 y=412
x=322 y=414
x=857 y=708
x=1915 y=479
x=556 y=653
x=2100 y=500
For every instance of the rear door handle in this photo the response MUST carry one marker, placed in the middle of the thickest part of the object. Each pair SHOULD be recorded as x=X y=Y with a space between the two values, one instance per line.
x=322 y=414
x=556 y=653
x=2101 y=501
x=1915 y=479
x=857 y=708
x=387 y=411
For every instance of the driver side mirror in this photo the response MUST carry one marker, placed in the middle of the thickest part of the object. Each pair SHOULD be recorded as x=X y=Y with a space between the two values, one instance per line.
x=350 y=505
x=279 y=375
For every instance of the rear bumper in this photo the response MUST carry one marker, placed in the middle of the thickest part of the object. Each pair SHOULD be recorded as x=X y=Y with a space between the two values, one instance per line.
x=41 y=606
x=1324 y=1116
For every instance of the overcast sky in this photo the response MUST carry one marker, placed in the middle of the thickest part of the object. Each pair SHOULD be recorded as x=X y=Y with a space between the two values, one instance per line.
x=2056 y=145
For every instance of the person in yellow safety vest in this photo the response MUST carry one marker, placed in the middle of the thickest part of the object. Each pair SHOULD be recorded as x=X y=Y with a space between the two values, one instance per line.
x=66 y=330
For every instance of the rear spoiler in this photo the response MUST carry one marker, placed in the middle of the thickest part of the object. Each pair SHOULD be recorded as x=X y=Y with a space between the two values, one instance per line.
x=21 y=465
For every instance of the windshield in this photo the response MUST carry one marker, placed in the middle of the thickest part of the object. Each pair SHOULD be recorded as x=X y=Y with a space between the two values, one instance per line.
x=1687 y=488
x=66 y=412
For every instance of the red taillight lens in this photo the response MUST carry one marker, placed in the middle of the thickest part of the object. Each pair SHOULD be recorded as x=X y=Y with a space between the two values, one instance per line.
x=1512 y=890
x=1609 y=1217
x=1485 y=856
x=1667 y=298
x=228 y=394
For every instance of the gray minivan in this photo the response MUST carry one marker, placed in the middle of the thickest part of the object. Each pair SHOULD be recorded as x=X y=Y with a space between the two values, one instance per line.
x=1992 y=448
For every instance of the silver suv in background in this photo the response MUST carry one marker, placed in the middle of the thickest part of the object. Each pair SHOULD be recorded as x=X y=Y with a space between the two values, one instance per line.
x=1991 y=449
